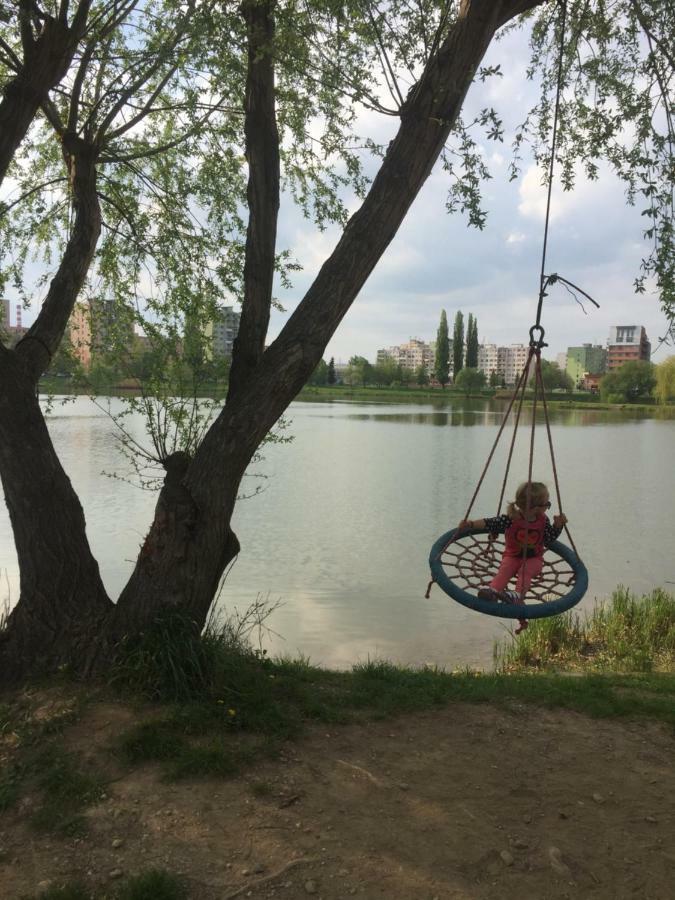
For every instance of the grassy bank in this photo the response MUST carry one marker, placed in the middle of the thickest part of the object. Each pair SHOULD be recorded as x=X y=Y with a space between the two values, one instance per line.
x=628 y=634
x=212 y=705
x=66 y=386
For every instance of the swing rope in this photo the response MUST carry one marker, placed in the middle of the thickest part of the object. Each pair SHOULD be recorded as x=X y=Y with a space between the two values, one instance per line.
x=472 y=559
x=543 y=283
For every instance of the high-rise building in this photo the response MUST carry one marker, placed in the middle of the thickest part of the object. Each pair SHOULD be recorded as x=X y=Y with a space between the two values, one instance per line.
x=488 y=359
x=627 y=343
x=507 y=362
x=588 y=359
x=4 y=316
x=100 y=326
x=221 y=332
x=412 y=355
x=80 y=334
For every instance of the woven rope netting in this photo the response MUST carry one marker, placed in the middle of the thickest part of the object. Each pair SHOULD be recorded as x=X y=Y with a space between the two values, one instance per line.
x=472 y=560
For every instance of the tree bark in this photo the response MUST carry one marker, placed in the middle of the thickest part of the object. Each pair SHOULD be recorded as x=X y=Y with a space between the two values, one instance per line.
x=62 y=601
x=262 y=154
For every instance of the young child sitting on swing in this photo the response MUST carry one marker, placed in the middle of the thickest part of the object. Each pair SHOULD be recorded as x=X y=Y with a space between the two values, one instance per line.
x=527 y=533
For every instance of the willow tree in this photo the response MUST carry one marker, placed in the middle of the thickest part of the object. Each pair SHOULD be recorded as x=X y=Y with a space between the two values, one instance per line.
x=152 y=141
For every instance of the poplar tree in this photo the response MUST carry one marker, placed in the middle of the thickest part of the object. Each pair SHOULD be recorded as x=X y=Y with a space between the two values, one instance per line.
x=472 y=343
x=458 y=345
x=442 y=360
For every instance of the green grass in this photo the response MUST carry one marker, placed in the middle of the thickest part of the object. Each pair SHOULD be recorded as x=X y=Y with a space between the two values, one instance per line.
x=65 y=791
x=628 y=634
x=60 y=785
x=219 y=705
x=230 y=705
x=155 y=884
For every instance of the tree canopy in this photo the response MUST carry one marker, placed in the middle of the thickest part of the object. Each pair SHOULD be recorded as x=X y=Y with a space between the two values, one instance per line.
x=630 y=382
x=665 y=380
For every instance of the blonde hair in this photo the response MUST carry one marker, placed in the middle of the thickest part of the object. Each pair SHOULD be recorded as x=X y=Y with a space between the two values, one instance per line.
x=538 y=495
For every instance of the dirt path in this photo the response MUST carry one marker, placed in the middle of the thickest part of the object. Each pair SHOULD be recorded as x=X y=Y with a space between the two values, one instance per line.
x=466 y=802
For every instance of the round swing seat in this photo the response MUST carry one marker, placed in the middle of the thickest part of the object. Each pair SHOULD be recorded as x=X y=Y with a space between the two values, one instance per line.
x=461 y=565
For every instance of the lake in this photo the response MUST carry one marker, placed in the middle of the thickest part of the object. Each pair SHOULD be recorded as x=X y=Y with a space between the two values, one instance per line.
x=341 y=530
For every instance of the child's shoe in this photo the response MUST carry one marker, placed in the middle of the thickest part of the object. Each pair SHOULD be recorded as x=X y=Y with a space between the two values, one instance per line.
x=522 y=625
x=488 y=593
x=509 y=596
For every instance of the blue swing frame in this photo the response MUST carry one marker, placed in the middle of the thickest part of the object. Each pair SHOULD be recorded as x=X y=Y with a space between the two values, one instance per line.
x=508 y=610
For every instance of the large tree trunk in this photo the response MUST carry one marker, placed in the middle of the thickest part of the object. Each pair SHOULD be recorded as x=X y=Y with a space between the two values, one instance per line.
x=63 y=604
x=63 y=601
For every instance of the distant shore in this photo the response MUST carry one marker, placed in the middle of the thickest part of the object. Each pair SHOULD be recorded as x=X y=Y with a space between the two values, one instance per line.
x=412 y=394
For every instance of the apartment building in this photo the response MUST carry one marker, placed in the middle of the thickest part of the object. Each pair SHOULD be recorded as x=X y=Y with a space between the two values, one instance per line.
x=80 y=334
x=507 y=362
x=4 y=317
x=98 y=326
x=588 y=359
x=488 y=358
x=221 y=332
x=627 y=343
x=412 y=355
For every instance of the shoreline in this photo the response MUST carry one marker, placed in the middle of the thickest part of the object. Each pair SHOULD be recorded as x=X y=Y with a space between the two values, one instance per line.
x=431 y=396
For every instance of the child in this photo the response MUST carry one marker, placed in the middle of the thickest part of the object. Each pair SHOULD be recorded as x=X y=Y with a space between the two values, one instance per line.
x=527 y=533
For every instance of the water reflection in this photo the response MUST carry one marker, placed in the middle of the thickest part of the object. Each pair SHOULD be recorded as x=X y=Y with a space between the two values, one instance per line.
x=344 y=527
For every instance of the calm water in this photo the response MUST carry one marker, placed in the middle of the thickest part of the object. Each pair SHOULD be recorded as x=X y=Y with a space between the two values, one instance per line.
x=342 y=530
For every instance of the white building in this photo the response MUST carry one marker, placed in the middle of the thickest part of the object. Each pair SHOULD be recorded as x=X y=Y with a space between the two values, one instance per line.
x=488 y=358
x=507 y=362
x=412 y=355
x=222 y=331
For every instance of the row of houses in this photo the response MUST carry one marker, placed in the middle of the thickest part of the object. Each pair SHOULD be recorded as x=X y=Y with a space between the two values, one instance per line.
x=96 y=324
x=584 y=364
x=506 y=362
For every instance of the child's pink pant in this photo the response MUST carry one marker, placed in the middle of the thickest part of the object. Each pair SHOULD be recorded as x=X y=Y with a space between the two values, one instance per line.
x=527 y=569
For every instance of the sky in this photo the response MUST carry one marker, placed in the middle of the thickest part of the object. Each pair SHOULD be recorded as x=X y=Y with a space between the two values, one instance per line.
x=436 y=262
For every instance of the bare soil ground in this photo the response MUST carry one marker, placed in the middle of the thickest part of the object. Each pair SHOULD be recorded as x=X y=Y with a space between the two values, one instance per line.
x=464 y=803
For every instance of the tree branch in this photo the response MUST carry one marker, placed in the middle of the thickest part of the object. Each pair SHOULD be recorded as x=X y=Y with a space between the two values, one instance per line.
x=146 y=75
x=44 y=336
x=46 y=60
x=262 y=154
x=427 y=117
